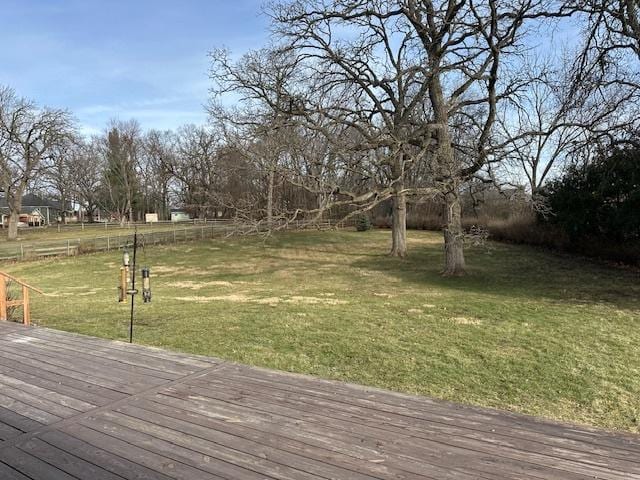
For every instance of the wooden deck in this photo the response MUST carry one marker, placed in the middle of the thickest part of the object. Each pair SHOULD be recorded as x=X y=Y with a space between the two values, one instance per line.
x=76 y=407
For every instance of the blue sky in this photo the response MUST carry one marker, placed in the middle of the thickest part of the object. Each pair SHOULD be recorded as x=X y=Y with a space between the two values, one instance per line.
x=144 y=59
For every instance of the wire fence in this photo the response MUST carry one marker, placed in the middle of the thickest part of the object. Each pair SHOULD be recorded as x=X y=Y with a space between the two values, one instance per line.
x=106 y=226
x=156 y=234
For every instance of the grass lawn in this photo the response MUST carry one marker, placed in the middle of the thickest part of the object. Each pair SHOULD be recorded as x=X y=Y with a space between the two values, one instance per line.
x=527 y=331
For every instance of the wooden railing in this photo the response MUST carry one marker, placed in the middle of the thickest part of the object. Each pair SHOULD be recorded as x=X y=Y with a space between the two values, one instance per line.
x=6 y=303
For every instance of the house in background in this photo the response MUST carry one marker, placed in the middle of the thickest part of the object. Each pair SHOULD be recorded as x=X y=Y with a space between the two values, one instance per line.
x=36 y=211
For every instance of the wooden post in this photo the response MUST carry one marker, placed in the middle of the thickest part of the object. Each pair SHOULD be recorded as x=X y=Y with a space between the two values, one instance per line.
x=3 y=299
x=26 y=311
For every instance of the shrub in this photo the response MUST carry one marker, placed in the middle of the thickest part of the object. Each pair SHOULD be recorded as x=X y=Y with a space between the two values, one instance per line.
x=596 y=206
x=363 y=223
x=600 y=200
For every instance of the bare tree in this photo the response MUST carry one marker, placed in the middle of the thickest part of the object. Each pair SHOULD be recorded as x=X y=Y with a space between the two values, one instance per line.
x=195 y=168
x=86 y=167
x=554 y=118
x=57 y=176
x=122 y=143
x=455 y=51
x=365 y=94
x=611 y=25
x=158 y=154
x=29 y=137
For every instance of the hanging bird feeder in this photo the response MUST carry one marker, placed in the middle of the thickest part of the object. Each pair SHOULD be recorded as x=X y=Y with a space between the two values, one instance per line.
x=127 y=282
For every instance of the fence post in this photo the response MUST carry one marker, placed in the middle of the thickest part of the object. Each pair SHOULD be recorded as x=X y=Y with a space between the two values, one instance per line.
x=108 y=244
x=21 y=251
x=68 y=248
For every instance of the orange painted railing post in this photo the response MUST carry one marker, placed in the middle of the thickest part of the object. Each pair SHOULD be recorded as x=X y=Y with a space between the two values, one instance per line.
x=3 y=298
x=26 y=311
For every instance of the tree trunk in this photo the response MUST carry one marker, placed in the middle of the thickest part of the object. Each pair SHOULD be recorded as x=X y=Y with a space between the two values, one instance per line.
x=399 y=223
x=448 y=167
x=272 y=176
x=14 y=217
x=399 y=211
x=453 y=236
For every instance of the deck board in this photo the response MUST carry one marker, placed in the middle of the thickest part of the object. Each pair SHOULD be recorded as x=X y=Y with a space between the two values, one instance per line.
x=80 y=407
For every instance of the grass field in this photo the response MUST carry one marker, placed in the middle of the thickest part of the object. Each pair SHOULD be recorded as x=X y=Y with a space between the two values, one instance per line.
x=526 y=331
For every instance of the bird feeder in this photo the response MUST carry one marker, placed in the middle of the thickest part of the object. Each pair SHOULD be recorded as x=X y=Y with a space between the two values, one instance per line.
x=146 y=285
x=128 y=281
x=124 y=277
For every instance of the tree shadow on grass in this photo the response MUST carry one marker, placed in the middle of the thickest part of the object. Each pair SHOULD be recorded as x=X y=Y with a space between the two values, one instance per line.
x=512 y=272
x=515 y=272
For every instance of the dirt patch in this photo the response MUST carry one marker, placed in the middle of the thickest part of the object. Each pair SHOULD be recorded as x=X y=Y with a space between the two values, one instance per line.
x=297 y=299
x=315 y=300
x=199 y=285
x=272 y=301
x=238 y=298
x=466 y=320
x=75 y=292
x=165 y=269
x=268 y=300
x=180 y=270
x=383 y=295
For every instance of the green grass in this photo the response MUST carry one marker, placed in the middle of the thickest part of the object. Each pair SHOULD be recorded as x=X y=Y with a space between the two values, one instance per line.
x=527 y=331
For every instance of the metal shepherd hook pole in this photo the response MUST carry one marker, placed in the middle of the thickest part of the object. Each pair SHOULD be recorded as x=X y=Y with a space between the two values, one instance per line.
x=133 y=283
